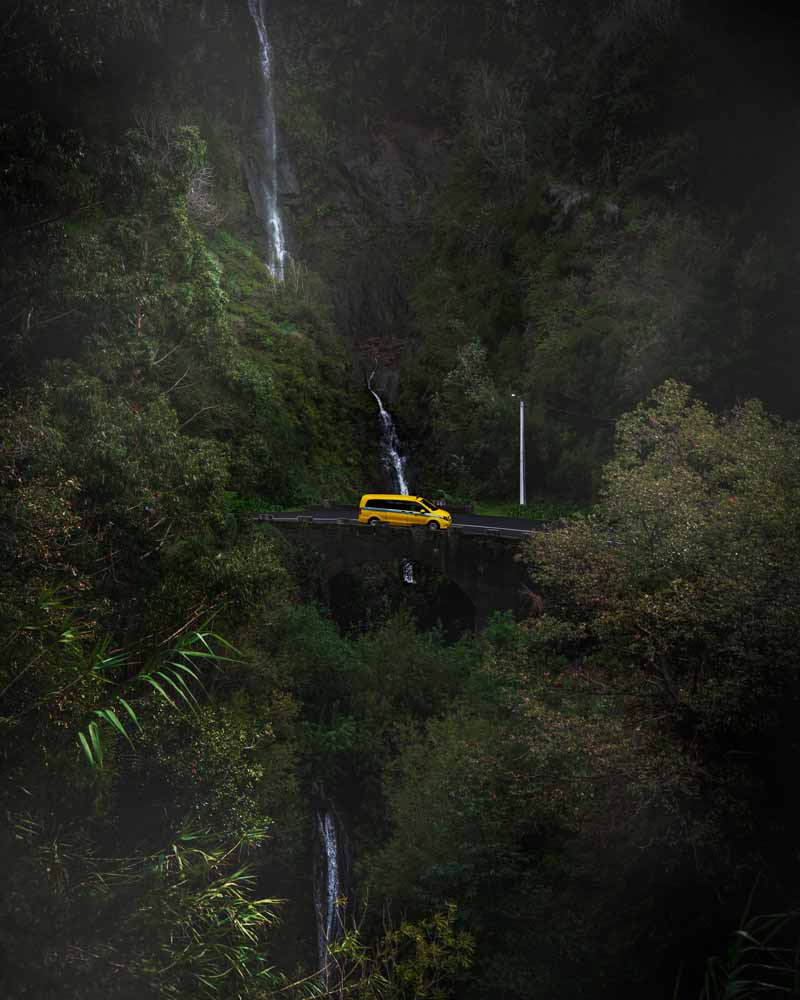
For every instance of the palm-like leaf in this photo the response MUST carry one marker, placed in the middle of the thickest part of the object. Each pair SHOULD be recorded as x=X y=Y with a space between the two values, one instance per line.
x=757 y=962
x=172 y=681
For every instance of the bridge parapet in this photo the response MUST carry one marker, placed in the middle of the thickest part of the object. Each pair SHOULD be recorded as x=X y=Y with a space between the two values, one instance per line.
x=512 y=534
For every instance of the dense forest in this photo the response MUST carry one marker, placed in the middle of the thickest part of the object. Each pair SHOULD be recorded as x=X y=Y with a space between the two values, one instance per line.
x=591 y=205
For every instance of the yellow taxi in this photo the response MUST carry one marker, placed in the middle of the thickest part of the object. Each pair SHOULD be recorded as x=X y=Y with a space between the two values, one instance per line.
x=400 y=509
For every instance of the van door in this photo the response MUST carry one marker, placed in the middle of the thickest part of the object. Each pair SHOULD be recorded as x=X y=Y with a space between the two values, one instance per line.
x=404 y=515
x=419 y=516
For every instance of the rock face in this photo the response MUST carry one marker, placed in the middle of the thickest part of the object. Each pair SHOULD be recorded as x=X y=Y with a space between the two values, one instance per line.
x=349 y=195
x=254 y=170
x=372 y=196
x=386 y=382
x=370 y=306
x=288 y=185
x=566 y=198
x=385 y=169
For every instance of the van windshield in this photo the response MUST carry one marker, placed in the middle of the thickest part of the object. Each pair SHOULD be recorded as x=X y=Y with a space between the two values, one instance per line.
x=427 y=503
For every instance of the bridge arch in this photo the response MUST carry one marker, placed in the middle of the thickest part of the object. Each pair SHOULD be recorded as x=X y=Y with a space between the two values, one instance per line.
x=486 y=568
x=359 y=593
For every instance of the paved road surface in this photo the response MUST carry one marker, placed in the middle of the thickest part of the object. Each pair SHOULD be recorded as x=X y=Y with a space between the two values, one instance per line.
x=471 y=524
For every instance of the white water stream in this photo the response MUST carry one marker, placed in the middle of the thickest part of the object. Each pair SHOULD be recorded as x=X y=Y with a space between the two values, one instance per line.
x=267 y=193
x=329 y=921
x=393 y=460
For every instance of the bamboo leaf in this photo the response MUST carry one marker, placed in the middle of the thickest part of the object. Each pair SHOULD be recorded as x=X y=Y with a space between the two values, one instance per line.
x=192 y=673
x=110 y=661
x=111 y=716
x=202 y=637
x=97 y=745
x=188 y=670
x=180 y=688
x=149 y=679
x=181 y=682
x=193 y=834
x=86 y=748
x=129 y=710
x=223 y=642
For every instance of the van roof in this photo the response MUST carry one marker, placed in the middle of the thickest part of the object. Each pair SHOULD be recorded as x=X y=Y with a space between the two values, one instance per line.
x=392 y=496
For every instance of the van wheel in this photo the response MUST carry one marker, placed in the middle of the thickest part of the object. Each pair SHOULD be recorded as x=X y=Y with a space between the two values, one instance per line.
x=374 y=521
x=433 y=525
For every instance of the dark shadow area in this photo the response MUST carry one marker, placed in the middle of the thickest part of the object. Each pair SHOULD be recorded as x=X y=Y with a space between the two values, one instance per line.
x=363 y=599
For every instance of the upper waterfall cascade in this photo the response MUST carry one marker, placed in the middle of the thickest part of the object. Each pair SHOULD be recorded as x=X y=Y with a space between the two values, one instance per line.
x=267 y=188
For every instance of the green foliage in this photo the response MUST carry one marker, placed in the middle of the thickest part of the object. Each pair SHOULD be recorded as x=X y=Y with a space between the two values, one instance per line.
x=218 y=926
x=761 y=960
x=536 y=510
x=148 y=376
x=78 y=36
x=686 y=570
x=540 y=198
x=456 y=846
x=182 y=919
x=174 y=682
x=359 y=698
x=87 y=881
x=419 y=960
x=495 y=126
x=615 y=258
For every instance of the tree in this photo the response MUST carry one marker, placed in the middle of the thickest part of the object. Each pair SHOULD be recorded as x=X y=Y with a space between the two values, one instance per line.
x=688 y=573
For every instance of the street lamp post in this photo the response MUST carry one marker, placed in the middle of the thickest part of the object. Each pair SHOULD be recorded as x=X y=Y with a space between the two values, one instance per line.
x=521 y=448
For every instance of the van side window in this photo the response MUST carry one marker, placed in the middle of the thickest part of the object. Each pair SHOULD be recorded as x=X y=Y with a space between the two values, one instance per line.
x=373 y=503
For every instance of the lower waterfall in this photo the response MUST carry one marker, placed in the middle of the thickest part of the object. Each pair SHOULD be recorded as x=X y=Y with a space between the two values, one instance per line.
x=330 y=875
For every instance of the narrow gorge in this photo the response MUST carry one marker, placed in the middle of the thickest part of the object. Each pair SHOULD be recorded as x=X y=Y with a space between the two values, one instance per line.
x=260 y=258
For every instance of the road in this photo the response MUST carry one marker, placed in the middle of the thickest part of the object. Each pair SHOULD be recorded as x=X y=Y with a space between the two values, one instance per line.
x=470 y=524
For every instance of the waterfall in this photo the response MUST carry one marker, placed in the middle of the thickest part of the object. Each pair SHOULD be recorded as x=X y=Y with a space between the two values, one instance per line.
x=328 y=886
x=393 y=460
x=266 y=186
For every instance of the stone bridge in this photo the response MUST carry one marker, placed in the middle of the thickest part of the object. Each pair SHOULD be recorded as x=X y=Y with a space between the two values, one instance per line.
x=487 y=566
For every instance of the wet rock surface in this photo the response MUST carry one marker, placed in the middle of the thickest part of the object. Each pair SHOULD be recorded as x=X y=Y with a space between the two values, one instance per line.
x=375 y=191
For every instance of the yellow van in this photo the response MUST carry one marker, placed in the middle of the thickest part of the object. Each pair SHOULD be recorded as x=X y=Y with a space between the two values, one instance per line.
x=400 y=509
